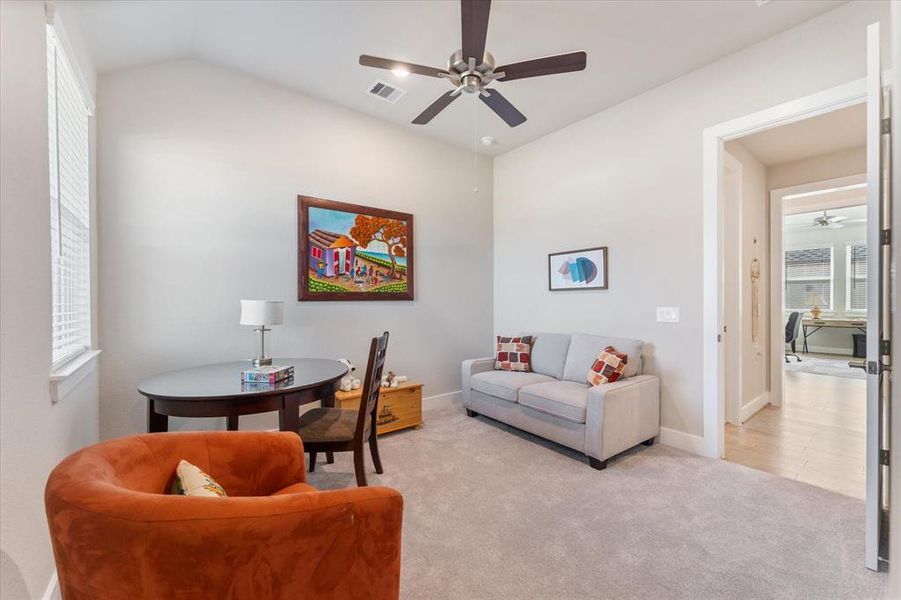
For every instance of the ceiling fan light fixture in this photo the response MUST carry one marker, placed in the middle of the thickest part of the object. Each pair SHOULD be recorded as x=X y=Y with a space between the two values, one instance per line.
x=400 y=72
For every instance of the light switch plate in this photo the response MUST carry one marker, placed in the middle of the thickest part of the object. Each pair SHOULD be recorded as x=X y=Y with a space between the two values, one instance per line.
x=667 y=314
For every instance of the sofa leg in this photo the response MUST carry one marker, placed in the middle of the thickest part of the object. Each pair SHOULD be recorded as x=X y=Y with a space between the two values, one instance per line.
x=471 y=413
x=600 y=465
x=649 y=442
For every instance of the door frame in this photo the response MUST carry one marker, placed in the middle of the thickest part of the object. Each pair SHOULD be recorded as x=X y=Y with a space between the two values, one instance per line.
x=732 y=222
x=777 y=271
x=714 y=139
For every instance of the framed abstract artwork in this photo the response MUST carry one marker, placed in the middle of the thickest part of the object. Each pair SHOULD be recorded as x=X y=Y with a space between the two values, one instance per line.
x=353 y=252
x=584 y=269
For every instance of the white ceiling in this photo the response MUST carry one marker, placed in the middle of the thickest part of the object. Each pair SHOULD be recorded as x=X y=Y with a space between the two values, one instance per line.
x=825 y=134
x=854 y=215
x=313 y=47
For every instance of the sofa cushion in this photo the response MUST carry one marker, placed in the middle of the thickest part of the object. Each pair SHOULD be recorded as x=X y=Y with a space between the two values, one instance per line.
x=564 y=399
x=608 y=367
x=514 y=353
x=584 y=349
x=549 y=353
x=504 y=384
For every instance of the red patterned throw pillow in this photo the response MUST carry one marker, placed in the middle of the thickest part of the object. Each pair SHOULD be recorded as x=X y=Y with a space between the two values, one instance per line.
x=608 y=367
x=513 y=353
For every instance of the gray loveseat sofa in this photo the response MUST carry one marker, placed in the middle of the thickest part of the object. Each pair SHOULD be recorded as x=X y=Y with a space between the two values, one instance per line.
x=555 y=402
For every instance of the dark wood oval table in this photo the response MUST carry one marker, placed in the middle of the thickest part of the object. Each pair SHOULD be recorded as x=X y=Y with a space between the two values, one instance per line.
x=217 y=391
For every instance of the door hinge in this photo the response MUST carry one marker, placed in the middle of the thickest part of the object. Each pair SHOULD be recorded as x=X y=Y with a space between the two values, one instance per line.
x=884 y=457
x=885 y=237
x=885 y=347
x=886 y=125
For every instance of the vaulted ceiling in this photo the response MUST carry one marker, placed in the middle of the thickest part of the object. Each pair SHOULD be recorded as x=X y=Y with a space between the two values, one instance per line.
x=313 y=47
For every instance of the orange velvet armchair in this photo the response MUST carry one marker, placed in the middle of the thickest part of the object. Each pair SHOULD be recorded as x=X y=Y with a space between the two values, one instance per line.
x=116 y=533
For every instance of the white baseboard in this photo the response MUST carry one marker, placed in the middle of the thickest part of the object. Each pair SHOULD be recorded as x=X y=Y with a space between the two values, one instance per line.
x=682 y=441
x=751 y=408
x=445 y=400
x=52 y=591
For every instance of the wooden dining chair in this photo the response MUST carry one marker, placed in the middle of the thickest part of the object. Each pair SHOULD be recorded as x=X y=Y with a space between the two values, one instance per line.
x=347 y=430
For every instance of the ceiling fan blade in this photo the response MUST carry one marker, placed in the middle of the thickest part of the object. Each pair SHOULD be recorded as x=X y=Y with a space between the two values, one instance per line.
x=386 y=63
x=502 y=107
x=435 y=107
x=474 y=20
x=549 y=65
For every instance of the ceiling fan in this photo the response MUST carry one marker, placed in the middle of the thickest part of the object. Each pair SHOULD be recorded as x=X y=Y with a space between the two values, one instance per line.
x=471 y=68
x=830 y=221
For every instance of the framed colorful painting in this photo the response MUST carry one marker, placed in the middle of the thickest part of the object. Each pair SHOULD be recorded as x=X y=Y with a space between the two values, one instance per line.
x=353 y=252
x=584 y=269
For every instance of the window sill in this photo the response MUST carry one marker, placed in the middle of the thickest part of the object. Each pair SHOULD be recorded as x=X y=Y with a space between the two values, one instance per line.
x=66 y=377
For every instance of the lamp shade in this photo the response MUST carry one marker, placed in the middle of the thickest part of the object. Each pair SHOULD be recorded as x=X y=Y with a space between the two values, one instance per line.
x=262 y=312
x=816 y=300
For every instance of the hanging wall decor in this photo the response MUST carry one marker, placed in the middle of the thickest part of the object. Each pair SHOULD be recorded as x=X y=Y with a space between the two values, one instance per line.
x=353 y=252
x=755 y=299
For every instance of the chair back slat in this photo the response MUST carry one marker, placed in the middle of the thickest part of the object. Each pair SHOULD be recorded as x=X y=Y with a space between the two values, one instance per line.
x=372 y=382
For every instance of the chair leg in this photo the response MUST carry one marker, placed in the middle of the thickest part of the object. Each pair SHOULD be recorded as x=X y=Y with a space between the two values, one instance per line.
x=374 y=450
x=359 y=466
x=600 y=465
x=312 y=461
x=329 y=458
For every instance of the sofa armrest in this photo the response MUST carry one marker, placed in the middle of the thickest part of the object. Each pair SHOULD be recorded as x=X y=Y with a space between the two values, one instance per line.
x=470 y=368
x=622 y=414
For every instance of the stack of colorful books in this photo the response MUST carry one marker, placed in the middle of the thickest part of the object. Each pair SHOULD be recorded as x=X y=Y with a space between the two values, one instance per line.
x=273 y=374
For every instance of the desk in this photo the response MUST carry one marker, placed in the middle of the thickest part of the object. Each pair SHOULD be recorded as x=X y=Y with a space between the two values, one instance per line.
x=217 y=391
x=811 y=326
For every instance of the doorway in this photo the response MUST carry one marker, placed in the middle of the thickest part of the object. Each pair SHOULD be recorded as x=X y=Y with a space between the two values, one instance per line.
x=879 y=301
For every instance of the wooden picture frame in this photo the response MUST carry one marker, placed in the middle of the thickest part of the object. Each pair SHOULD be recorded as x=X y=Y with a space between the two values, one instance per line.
x=584 y=269
x=346 y=268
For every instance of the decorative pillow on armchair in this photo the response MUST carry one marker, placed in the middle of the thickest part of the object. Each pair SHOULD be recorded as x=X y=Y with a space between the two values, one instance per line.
x=608 y=367
x=513 y=353
x=191 y=481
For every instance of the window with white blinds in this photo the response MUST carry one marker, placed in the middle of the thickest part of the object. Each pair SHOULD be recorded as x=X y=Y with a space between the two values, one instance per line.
x=70 y=224
x=808 y=278
x=857 y=277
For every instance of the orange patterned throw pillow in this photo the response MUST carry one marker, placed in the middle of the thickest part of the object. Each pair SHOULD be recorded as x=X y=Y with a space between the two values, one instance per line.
x=513 y=353
x=608 y=367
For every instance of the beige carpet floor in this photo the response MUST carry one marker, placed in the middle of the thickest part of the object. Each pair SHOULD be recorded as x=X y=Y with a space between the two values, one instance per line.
x=491 y=512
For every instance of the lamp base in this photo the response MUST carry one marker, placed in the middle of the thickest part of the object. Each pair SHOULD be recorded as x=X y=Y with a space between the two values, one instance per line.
x=262 y=362
x=815 y=312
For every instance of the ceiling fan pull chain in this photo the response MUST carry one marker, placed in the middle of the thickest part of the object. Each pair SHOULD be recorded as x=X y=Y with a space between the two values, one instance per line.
x=475 y=146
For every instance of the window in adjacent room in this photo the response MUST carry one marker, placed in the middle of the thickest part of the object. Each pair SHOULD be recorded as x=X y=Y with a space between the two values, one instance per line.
x=857 y=277
x=808 y=278
x=70 y=223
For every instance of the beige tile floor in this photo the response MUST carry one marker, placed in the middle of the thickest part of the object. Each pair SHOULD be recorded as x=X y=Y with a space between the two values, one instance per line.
x=818 y=436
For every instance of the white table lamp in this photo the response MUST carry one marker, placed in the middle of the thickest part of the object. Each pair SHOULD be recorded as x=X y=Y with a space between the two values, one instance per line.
x=259 y=314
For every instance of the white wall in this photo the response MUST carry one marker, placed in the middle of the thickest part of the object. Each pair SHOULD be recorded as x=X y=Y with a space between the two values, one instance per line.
x=34 y=433
x=843 y=163
x=630 y=178
x=753 y=240
x=200 y=168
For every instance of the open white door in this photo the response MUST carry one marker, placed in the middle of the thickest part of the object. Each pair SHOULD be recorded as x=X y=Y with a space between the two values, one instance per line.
x=878 y=361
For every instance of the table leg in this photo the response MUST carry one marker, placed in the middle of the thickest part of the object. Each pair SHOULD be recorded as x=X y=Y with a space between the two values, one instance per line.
x=328 y=400
x=289 y=414
x=156 y=422
x=232 y=422
x=804 y=328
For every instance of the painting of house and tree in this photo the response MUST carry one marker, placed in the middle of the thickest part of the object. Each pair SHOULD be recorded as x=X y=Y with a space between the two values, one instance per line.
x=352 y=252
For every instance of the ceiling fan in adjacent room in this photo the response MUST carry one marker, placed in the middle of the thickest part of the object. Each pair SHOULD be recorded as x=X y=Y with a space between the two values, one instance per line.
x=830 y=221
x=471 y=68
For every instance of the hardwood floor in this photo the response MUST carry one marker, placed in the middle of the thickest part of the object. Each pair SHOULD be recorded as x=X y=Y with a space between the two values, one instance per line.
x=818 y=436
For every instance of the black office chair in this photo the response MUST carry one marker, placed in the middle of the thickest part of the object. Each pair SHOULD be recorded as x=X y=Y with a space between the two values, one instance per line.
x=792 y=331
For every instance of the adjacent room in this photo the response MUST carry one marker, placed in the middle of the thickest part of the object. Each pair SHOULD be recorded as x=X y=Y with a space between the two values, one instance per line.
x=801 y=195
x=459 y=299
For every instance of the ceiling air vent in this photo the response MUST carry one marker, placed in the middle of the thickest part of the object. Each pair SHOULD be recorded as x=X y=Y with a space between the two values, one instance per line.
x=386 y=92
